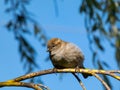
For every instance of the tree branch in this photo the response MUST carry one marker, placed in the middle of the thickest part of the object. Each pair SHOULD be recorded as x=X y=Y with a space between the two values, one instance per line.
x=21 y=84
x=80 y=82
x=87 y=71
x=102 y=81
x=16 y=81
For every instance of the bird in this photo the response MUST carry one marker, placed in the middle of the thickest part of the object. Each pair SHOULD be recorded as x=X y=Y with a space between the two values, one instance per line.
x=65 y=55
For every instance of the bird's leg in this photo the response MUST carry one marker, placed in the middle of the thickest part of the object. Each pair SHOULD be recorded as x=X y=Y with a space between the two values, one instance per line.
x=55 y=70
x=76 y=69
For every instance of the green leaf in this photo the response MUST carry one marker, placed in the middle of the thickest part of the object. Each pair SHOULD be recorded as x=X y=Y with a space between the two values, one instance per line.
x=8 y=10
x=9 y=25
x=94 y=58
x=26 y=31
x=96 y=4
x=21 y=19
x=105 y=64
x=83 y=7
x=99 y=18
x=105 y=78
x=37 y=30
x=97 y=41
x=117 y=53
x=94 y=27
x=27 y=54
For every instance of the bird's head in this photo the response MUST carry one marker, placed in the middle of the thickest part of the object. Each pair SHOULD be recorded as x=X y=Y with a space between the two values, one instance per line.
x=54 y=44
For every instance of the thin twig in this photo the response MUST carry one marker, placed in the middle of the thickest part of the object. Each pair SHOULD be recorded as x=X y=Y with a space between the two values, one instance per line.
x=20 y=84
x=16 y=81
x=90 y=71
x=82 y=85
x=49 y=71
x=114 y=76
x=43 y=86
x=34 y=74
x=102 y=81
x=114 y=71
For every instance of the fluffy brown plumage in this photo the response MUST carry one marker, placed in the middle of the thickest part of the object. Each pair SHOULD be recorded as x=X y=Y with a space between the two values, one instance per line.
x=65 y=54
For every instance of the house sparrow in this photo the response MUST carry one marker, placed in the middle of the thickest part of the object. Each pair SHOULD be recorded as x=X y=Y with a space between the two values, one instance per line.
x=65 y=54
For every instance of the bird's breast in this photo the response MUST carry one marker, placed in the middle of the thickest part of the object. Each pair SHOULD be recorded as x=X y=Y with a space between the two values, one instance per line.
x=61 y=62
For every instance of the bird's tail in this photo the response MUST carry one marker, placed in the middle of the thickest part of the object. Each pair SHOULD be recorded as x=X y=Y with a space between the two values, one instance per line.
x=86 y=75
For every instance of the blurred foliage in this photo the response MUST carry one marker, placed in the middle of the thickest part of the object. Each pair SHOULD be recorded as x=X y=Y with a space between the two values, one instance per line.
x=104 y=77
x=21 y=23
x=102 y=21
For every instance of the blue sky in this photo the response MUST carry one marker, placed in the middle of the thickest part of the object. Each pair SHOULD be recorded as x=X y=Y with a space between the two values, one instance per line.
x=69 y=26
